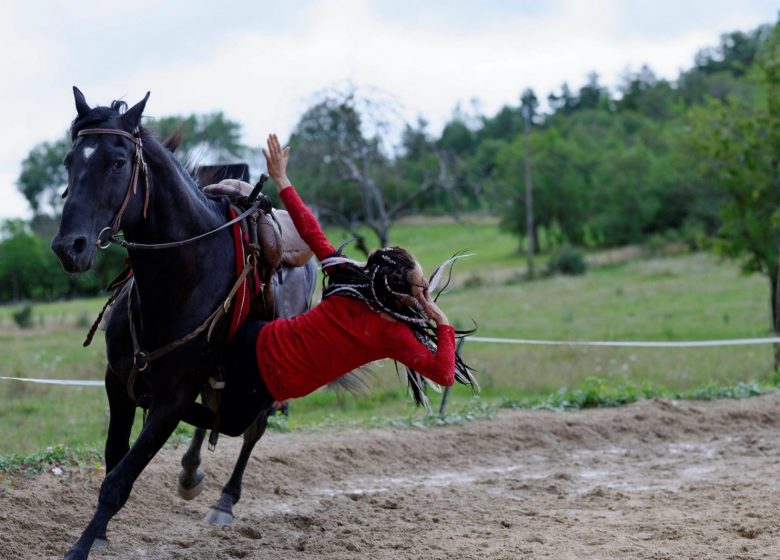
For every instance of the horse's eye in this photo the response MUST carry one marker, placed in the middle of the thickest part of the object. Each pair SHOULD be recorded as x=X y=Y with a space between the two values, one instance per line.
x=119 y=164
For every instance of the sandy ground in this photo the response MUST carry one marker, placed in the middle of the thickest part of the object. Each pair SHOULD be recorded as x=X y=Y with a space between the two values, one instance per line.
x=656 y=480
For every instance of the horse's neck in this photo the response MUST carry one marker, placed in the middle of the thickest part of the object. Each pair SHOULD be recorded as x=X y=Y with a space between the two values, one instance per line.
x=177 y=209
x=186 y=281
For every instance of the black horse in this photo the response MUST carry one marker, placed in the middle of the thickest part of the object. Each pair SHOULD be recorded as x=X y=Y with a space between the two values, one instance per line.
x=121 y=177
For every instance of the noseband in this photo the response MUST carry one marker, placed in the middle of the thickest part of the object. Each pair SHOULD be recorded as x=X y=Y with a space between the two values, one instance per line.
x=139 y=168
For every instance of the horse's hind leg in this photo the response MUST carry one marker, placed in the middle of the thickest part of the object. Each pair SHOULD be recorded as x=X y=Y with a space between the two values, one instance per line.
x=190 y=478
x=221 y=513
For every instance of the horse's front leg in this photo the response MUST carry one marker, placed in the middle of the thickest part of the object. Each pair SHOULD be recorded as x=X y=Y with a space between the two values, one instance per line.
x=164 y=413
x=120 y=424
x=190 y=478
x=221 y=513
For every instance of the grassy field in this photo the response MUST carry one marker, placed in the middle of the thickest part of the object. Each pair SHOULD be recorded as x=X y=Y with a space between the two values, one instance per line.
x=686 y=297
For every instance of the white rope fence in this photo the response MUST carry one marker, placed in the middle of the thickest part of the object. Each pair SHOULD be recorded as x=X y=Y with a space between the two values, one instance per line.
x=631 y=344
x=490 y=340
x=72 y=382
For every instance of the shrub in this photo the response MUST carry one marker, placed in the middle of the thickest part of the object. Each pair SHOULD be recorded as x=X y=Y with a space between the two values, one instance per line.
x=24 y=317
x=474 y=281
x=567 y=260
x=83 y=321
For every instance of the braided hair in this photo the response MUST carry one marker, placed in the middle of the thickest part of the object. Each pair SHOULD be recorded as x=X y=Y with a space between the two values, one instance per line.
x=384 y=284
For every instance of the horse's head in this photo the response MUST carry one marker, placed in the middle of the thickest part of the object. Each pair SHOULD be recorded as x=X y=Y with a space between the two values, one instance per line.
x=100 y=176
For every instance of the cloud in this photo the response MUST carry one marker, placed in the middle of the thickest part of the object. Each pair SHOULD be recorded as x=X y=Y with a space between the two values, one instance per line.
x=260 y=63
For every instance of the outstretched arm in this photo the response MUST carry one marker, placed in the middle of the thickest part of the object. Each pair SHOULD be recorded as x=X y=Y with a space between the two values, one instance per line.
x=438 y=365
x=305 y=222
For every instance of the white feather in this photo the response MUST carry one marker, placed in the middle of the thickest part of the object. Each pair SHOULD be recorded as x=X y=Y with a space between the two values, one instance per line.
x=332 y=261
x=437 y=275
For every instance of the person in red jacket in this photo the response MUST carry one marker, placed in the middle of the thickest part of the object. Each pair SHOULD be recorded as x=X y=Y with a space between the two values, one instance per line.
x=369 y=311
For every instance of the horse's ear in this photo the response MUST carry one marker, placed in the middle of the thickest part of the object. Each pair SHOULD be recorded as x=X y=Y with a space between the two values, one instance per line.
x=81 y=103
x=132 y=118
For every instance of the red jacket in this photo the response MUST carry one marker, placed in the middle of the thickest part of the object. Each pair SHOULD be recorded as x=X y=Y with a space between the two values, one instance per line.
x=298 y=355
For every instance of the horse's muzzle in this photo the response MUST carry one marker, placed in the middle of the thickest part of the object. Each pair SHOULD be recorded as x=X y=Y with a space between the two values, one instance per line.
x=74 y=252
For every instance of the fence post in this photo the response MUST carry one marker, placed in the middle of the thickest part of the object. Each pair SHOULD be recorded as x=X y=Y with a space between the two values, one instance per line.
x=445 y=397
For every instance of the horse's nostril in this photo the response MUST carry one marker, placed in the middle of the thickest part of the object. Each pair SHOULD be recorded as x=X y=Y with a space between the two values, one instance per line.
x=79 y=244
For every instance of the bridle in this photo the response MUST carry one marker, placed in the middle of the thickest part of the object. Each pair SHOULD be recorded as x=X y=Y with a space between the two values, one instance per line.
x=139 y=168
x=108 y=234
x=143 y=359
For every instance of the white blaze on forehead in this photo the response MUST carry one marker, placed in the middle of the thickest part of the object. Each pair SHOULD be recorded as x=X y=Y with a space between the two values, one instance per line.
x=88 y=151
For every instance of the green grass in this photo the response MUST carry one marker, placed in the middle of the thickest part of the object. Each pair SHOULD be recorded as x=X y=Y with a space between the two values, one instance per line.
x=53 y=456
x=433 y=243
x=688 y=297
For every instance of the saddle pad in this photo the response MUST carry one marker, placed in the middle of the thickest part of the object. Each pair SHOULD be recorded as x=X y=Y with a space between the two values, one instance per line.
x=295 y=251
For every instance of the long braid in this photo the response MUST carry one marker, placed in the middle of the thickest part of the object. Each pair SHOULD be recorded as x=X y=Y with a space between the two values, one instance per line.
x=383 y=284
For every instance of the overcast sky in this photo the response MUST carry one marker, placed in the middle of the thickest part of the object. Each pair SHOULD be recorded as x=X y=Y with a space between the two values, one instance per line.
x=260 y=62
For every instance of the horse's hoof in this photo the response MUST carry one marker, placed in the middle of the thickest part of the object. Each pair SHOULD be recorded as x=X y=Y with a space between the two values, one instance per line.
x=190 y=492
x=99 y=542
x=218 y=517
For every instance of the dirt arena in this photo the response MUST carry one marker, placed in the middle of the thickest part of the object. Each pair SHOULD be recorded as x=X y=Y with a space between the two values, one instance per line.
x=653 y=480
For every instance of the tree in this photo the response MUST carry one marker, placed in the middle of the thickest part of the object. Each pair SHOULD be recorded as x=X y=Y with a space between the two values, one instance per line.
x=738 y=142
x=339 y=151
x=564 y=103
x=27 y=268
x=528 y=106
x=560 y=193
x=593 y=95
x=457 y=137
x=43 y=178
x=213 y=133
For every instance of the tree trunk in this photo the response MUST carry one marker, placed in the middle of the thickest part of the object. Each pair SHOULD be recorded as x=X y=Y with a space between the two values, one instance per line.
x=537 y=246
x=529 y=202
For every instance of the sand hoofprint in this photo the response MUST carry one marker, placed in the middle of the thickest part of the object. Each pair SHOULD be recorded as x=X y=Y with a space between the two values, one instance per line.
x=653 y=480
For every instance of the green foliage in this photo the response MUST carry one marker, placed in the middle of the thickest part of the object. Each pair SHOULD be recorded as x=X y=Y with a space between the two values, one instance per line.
x=596 y=392
x=735 y=142
x=567 y=260
x=213 y=131
x=474 y=410
x=29 y=269
x=44 y=178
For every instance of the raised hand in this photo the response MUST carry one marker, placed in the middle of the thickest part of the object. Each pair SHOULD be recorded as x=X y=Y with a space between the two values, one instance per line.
x=276 y=160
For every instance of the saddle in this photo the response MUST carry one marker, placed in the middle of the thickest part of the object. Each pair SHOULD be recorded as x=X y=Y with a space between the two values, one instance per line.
x=284 y=244
x=272 y=234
